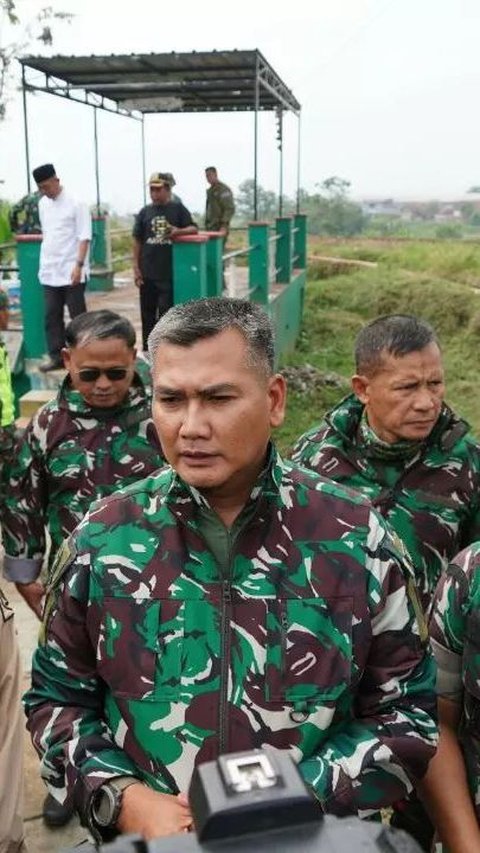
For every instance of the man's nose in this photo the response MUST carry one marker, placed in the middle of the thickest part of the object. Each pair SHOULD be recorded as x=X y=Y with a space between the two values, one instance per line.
x=103 y=381
x=424 y=399
x=194 y=420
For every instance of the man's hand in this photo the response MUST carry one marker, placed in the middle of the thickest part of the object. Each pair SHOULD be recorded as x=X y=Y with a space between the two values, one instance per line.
x=151 y=814
x=137 y=277
x=33 y=593
x=76 y=275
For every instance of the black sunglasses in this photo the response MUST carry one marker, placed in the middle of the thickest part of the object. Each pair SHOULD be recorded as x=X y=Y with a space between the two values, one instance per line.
x=91 y=374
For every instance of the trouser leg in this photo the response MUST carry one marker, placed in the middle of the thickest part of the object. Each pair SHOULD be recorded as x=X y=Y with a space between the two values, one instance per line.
x=148 y=308
x=164 y=297
x=11 y=736
x=75 y=299
x=54 y=322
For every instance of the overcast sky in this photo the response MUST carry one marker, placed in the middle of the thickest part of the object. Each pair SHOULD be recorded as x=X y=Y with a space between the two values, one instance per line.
x=389 y=92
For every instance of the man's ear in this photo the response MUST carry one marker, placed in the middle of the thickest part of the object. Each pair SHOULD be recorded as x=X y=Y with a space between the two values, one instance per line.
x=277 y=393
x=66 y=357
x=360 y=385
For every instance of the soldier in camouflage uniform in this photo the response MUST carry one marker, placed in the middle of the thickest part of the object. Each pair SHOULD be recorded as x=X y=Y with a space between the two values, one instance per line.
x=397 y=442
x=220 y=205
x=451 y=787
x=227 y=602
x=94 y=437
x=24 y=216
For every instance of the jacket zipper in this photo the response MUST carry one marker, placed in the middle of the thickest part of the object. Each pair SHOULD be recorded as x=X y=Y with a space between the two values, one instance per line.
x=225 y=658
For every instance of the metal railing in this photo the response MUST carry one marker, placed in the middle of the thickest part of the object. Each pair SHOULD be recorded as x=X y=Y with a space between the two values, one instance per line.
x=232 y=284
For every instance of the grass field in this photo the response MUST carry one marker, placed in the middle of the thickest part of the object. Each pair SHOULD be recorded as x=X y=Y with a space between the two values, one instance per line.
x=437 y=281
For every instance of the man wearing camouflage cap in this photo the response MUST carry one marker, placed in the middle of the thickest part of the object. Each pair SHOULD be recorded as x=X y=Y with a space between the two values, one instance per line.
x=228 y=602
x=156 y=225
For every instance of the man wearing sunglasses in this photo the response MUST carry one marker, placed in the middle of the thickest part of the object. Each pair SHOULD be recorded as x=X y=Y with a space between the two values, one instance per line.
x=96 y=436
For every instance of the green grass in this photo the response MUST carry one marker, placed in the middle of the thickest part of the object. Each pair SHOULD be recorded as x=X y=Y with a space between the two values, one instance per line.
x=428 y=280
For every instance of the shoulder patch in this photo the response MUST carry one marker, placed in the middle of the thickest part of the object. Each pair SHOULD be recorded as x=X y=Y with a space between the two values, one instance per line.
x=412 y=593
x=64 y=558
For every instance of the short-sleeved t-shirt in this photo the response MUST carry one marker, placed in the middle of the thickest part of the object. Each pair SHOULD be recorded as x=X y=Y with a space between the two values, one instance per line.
x=151 y=229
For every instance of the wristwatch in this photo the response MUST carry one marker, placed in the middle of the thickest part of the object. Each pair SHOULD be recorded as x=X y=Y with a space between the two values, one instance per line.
x=107 y=801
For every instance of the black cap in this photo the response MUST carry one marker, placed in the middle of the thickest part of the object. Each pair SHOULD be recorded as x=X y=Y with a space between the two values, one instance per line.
x=43 y=173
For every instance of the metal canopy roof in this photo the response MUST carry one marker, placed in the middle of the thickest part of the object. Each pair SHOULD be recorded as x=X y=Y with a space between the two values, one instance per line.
x=214 y=81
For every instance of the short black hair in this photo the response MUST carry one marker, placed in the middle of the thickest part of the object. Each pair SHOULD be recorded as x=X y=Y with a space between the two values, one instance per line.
x=98 y=325
x=211 y=169
x=189 y=322
x=395 y=334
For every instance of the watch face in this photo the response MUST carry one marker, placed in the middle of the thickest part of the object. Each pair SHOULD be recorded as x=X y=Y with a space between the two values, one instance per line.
x=106 y=806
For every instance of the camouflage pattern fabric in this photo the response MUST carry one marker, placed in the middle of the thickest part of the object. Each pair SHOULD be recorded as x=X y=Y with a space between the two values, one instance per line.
x=69 y=456
x=432 y=500
x=220 y=207
x=24 y=216
x=455 y=627
x=4 y=304
x=152 y=659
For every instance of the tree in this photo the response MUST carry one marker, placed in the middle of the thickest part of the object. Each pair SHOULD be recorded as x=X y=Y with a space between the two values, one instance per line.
x=17 y=34
x=332 y=212
x=267 y=202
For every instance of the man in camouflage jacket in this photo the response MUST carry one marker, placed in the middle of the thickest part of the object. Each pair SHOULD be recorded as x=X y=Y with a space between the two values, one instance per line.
x=451 y=787
x=220 y=205
x=91 y=439
x=397 y=442
x=24 y=216
x=228 y=602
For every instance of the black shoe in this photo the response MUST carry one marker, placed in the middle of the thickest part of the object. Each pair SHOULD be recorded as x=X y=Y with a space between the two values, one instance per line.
x=53 y=364
x=54 y=814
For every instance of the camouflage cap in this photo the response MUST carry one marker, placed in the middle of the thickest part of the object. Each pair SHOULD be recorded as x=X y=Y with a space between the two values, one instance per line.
x=161 y=179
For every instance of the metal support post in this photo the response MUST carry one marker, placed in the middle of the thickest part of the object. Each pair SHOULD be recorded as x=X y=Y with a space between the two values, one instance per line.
x=258 y=268
x=97 y=173
x=25 y=126
x=144 y=171
x=255 y=153
x=284 y=254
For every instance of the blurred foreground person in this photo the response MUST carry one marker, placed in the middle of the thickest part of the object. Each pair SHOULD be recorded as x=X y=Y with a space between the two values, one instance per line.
x=229 y=601
x=95 y=437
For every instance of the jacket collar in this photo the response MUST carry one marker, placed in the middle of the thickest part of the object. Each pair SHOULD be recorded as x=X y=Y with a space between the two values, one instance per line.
x=345 y=419
x=183 y=499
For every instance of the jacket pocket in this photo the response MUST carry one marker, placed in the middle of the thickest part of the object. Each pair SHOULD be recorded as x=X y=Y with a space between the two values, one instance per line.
x=309 y=651
x=139 y=647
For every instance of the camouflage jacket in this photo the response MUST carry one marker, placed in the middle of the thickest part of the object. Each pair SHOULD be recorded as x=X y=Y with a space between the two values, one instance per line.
x=455 y=631
x=24 y=216
x=220 y=207
x=432 y=501
x=153 y=659
x=68 y=457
